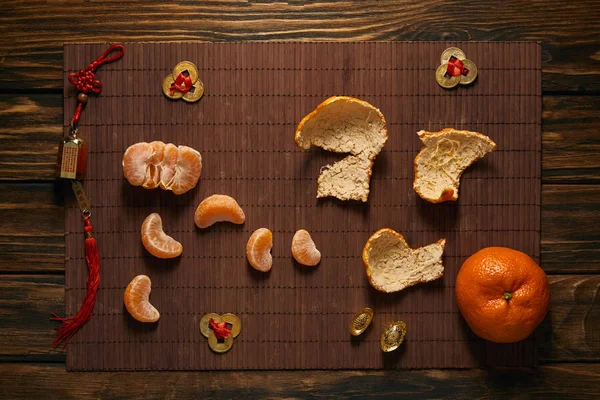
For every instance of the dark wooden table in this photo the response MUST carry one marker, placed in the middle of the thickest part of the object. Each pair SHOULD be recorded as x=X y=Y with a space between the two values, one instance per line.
x=32 y=218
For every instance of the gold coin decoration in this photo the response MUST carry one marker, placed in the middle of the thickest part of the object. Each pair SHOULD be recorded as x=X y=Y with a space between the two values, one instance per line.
x=452 y=51
x=361 y=321
x=166 y=88
x=186 y=66
x=447 y=82
x=471 y=75
x=220 y=346
x=195 y=92
x=393 y=336
x=205 y=325
x=190 y=71
x=234 y=321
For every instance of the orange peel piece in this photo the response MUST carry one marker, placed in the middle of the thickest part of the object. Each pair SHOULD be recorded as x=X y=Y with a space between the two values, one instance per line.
x=391 y=265
x=344 y=125
x=443 y=159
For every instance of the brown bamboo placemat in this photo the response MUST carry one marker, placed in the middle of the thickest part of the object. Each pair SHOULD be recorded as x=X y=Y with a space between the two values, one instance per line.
x=297 y=317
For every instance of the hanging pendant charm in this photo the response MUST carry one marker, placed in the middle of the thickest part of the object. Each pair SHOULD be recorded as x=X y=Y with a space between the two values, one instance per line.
x=72 y=157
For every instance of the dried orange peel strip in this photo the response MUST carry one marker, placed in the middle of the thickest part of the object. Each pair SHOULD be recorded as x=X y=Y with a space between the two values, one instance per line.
x=391 y=265
x=443 y=159
x=344 y=125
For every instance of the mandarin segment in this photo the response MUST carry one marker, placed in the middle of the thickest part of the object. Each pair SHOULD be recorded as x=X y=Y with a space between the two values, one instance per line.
x=154 y=167
x=188 y=170
x=167 y=166
x=137 y=300
x=502 y=294
x=218 y=208
x=136 y=161
x=304 y=249
x=156 y=241
x=258 y=250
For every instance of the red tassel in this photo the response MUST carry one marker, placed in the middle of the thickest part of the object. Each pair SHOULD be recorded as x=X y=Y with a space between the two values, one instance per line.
x=70 y=325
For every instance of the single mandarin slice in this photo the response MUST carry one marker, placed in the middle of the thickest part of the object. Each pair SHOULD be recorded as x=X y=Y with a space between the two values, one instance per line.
x=156 y=241
x=168 y=166
x=137 y=300
x=153 y=168
x=188 y=170
x=304 y=249
x=258 y=250
x=218 y=208
x=136 y=160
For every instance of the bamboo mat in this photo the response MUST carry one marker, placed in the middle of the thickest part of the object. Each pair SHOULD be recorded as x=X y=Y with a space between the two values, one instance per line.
x=297 y=317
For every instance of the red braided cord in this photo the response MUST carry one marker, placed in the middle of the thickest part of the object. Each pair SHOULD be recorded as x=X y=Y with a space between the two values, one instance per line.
x=219 y=328
x=456 y=67
x=181 y=79
x=70 y=325
x=85 y=80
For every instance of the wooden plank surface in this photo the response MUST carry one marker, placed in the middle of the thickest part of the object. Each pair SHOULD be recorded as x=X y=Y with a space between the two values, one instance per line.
x=31 y=68
x=26 y=301
x=573 y=381
x=31 y=126
x=34 y=31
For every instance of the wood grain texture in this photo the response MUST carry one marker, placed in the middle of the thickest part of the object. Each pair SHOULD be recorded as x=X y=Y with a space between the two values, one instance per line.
x=560 y=381
x=34 y=31
x=26 y=304
x=574 y=316
x=570 y=139
x=569 y=332
x=32 y=237
x=570 y=230
x=31 y=127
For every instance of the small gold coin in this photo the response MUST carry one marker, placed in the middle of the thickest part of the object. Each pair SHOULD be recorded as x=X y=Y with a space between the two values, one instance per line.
x=452 y=51
x=205 y=328
x=236 y=324
x=184 y=66
x=219 y=346
x=393 y=336
x=195 y=93
x=361 y=321
x=442 y=80
x=472 y=75
x=166 y=88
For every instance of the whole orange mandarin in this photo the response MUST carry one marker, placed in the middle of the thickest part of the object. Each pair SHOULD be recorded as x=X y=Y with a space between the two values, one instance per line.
x=502 y=294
